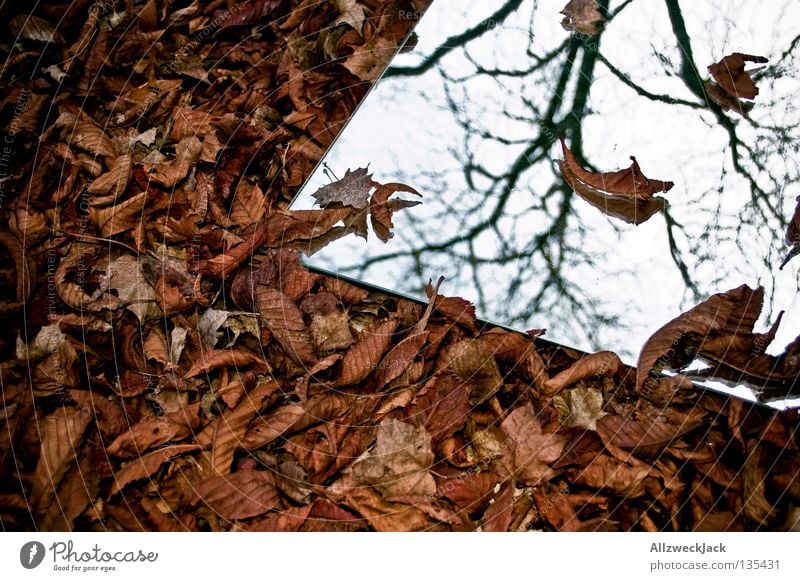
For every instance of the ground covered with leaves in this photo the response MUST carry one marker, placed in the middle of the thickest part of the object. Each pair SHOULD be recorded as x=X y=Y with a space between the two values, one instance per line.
x=169 y=364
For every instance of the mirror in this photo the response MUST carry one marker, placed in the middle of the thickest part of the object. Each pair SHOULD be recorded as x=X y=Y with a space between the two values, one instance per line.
x=471 y=118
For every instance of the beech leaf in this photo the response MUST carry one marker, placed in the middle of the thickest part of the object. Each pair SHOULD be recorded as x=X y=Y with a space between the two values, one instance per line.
x=625 y=194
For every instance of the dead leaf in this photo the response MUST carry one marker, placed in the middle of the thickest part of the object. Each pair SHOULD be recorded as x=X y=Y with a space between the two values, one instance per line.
x=124 y=275
x=793 y=235
x=722 y=313
x=383 y=515
x=625 y=194
x=597 y=364
x=363 y=357
x=144 y=435
x=498 y=516
x=225 y=434
x=474 y=363
x=243 y=494
x=400 y=462
x=607 y=473
x=245 y=14
x=351 y=13
x=169 y=174
x=34 y=28
x=584 y=407
x=61 y=434
x=330 y=326
x=119 y=217
x=442 y=406
x=284 y=320
x=756 y=505
x=582 y=16
x=249 y=205
x=369 y=60
x=219 y=358
x=726 y=101
x=146 y=465
x=732 y=78
x=352 y=190
x=113 y=183
x=381 y=208
x=649 y=432
x=530 y=451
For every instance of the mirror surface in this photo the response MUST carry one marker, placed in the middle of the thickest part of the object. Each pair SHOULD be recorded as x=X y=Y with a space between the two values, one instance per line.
x=472 y=116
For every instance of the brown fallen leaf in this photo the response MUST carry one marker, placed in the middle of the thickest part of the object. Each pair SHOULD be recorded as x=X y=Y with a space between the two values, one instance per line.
x=370 y=59
x=473 y=362
x=239 y=495
x=625 y=194
x=245 y=14
x=119 y=217
x=456 y=309
x=756 y=505
x=352 y=190
x=722 y=313
x=363 y=357
x=498 y=516
x=582 y=16
x=351 y=13
x=109 y=186
x=600 y=363
x=442 y=406
x=187 y=152
x=381 y=208
x=531 y=452
x=610 y=474
x=61 y=434
x=144 y=435
x=218 y=358
x=650 y=432
x=284 y=320
x=146 y=465
x=384 y=515
x=793 y=235
x=732 y=78
x=399 y=465
x=726 y=101
x=34 y=28
x=330 y=326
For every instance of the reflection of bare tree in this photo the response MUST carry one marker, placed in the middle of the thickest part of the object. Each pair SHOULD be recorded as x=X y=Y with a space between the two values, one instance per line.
x=551 y=92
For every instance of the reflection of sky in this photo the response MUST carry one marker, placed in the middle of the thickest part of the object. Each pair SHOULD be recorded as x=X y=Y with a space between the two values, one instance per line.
x=623 y=275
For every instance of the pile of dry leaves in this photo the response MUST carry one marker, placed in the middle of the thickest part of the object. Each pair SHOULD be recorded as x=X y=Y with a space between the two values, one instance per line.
x=168 y=363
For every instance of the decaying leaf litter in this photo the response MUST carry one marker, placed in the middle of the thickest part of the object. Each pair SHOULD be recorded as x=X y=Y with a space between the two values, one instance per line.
x=178 y=368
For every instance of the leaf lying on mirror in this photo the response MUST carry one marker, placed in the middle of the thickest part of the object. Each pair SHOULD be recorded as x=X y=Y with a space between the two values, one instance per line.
x=625 y=194
x=720 y=331
x=381 y=208
x=352 y=190
x=793 y=235
x=675 y=343
x=726 y=101
x=582 y=16
x=731 y=76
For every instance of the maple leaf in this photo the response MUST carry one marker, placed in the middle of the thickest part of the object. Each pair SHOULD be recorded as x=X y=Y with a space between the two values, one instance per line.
x=625 y=194
x=582 y=16
x=352 y=190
